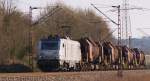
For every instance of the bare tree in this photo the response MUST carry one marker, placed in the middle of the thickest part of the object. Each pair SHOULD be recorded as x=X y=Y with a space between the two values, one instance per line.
x=13 y=31
x=80 y=22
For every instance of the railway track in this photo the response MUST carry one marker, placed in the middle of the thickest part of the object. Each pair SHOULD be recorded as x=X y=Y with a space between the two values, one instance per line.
x=128 y=75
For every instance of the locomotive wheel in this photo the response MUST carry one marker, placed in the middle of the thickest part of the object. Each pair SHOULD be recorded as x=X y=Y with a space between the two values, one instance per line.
x=64 y=67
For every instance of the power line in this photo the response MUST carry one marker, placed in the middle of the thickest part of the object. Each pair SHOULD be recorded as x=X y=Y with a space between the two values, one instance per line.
x=141 y=30
x=104 y=14
x=116 y=23
x=50 y=13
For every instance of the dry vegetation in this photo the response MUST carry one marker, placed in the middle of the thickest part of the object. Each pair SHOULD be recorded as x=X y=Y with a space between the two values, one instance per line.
x=80 y=23
x=13 y=33
x=14 y=29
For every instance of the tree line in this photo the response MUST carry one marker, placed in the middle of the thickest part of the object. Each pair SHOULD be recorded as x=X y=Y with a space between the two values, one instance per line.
x=15 y=27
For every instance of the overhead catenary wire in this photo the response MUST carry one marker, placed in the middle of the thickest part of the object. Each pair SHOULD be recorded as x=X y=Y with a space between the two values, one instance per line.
x=50 y=13
x=104 y=15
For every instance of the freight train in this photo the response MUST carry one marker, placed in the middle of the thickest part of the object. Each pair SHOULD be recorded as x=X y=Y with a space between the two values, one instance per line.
x=63 y=54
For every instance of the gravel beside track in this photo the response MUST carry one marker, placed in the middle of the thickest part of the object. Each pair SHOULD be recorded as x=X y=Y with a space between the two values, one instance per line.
x=128 y=75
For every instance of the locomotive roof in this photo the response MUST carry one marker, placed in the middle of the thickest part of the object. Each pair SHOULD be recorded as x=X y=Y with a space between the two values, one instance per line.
x=55 y=38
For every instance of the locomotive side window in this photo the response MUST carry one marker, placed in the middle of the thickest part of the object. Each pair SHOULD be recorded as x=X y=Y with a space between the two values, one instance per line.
x=63 y=45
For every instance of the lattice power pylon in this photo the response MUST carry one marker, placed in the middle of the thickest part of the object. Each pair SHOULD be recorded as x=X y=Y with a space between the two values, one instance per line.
x=125 y=23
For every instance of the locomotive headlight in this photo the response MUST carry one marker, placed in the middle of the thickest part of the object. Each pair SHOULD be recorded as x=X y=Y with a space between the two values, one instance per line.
x=41 y=55
x=57 y=57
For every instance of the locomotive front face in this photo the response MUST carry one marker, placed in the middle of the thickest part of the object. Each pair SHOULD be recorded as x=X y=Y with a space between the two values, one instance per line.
x=49 y=50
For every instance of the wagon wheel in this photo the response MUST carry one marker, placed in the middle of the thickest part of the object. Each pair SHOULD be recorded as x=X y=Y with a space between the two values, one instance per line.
x=83 y=67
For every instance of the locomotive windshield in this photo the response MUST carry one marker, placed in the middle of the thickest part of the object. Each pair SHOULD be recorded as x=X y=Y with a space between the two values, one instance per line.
x=49 y=45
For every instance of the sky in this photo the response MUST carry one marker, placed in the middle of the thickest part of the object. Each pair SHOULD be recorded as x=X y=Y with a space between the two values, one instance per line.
x=139 y=18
